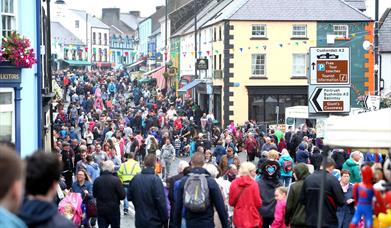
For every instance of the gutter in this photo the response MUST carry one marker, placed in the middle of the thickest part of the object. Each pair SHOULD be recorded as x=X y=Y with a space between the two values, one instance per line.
x=38 y=73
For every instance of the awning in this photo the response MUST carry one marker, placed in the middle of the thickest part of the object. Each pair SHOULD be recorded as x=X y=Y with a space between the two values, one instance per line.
x=135 y=64
x=190 y=85
x=77 y=63
x=103 y=64
x=160 y=79
x=153 y=71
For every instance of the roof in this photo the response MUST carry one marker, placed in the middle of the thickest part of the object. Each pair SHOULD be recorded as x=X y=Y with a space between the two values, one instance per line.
x=130 y=20
x=385 y=32
x=58 y=30
x=156 y=16
x=92 y=20
x=206 y=14
x=291 y=10
x=358 y=4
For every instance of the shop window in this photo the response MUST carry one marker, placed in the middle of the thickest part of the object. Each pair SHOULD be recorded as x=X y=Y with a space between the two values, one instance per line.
x=100 y=38
x=7 y=113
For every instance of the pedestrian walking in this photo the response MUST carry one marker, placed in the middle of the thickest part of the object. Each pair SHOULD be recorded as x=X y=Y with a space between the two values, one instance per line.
x=167 y=156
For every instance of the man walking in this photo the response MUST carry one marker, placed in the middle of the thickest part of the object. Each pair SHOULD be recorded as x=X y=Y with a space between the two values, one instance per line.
x=168 y=155
x=67 y=164
x=333 y=197
x=108 y=192
x=146 y=191
x=126 y=172
x=197 y=213
x=11 y=187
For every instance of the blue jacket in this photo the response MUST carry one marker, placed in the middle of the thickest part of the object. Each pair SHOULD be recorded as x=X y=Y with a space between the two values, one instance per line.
x=93 y=171
x=7 y=219
x=202 y=219
x=146 y=191
x=219 y=152
x=76 y=187
x=302 y=156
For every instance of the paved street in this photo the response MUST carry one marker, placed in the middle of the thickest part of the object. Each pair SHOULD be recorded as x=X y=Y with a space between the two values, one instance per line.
x=128 y=220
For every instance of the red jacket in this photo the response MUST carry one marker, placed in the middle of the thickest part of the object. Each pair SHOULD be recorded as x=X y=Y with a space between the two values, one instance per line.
x=246 y=205
x=251 y=145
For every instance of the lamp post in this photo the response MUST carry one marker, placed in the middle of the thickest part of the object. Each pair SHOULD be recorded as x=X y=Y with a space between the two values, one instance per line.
x=166 y=36
x=376 y=48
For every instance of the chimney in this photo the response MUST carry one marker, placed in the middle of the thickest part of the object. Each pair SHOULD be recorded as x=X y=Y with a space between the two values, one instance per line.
x=110 y=14
x=135 y=13
x=159 y=7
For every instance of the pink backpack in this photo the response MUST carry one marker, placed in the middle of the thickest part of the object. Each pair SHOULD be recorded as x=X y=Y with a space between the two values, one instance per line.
x=70 y=207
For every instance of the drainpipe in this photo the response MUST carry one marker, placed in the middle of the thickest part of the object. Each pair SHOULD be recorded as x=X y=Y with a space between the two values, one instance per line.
x=39 y=73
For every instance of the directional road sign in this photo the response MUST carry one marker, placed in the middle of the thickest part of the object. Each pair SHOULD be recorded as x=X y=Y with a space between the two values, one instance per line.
x=329 y=99
x=330 y=65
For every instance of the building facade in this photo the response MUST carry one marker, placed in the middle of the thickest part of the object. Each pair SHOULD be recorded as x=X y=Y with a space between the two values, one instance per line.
x=20 y=95
x=385 y=52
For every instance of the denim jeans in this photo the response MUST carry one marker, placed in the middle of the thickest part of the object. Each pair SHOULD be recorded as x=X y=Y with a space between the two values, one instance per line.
x=167 y=168
x=126 y=202
x=285 y=181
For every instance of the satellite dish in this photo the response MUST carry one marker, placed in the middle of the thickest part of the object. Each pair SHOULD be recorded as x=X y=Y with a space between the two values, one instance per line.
x=367 y=45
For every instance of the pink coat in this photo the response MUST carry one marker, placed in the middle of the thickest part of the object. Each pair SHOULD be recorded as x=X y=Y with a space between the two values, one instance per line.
x=279 y=214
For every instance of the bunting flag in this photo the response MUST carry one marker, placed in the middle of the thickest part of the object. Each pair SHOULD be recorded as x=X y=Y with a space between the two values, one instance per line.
x=86 y=49
x=126 y=53
x=94 y=50
x=118 y=53
x=297 y=43
x=208 y=53
x=199 y=53
x=192 y=53
x=217 y=51
x=241 y=49
x=264 y=47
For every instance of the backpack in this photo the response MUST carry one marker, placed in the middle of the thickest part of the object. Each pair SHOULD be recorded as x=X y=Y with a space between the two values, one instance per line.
x=196 y=193
x=287 y=166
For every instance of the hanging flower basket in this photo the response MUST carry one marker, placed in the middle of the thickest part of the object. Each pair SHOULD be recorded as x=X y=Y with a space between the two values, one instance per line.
x=16 y=50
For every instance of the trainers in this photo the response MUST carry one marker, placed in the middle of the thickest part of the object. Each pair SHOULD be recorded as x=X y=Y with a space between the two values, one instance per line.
x=126 y=212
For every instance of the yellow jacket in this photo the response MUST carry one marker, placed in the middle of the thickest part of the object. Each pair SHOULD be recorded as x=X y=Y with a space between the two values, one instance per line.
x=128 y=170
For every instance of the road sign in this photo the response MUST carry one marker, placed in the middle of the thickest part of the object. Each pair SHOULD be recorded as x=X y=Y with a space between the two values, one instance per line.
x=329 y=99
x=372 y=102
x=330 y=66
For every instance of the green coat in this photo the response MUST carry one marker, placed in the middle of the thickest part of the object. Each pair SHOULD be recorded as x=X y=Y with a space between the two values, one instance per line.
x=354 y=169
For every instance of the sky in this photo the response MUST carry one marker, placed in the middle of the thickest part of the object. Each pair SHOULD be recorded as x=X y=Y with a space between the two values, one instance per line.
x=147 y=7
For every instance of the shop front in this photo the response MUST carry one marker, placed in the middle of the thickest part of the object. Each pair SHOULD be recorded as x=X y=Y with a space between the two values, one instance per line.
x=267 y=103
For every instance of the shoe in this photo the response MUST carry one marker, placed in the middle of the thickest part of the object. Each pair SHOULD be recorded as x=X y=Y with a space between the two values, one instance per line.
x=126 y=212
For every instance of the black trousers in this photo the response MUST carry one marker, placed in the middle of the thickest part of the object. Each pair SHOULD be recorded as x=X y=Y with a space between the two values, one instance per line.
x=68 y=179
x=113 y=220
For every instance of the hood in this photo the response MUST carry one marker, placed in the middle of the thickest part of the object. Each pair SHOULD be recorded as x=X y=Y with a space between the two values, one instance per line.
x=35 y=212
x=302 y=146
x=245 y=181
x=301 y=171
x=350 y=162
x=286 y=157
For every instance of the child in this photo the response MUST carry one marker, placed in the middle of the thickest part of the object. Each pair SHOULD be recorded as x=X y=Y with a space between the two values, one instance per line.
x=279 y=212
x=177 y=145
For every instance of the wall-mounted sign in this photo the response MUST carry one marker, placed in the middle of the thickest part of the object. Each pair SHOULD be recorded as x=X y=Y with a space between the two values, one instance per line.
x=330 y=65
x=9 y=73
x=329 y=99
x=202 y=64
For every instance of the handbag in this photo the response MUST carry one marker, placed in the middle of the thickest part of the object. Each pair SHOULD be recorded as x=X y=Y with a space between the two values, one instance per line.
x=158 y=167
x=92 y=211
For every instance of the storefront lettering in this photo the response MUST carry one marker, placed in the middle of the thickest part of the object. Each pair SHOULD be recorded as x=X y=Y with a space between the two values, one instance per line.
x=9 y=76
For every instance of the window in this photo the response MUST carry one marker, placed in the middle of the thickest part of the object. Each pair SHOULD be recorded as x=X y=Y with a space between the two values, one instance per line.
x=77 y=24
x=258 y=65
x=215 y=61
x=299 y=31
x=8 y=17
x=7 y=112
x=105 y=55
x=100 y=54
x=219 y=32
x=299 y=65
x=105 y=38
x=100 y=38
x=220 y=62
x=341 y=31
x=258 y=31
x=214 y=34
x=93 y=38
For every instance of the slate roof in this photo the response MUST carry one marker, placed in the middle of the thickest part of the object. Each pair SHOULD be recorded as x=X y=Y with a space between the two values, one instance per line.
x=67 y=37
x=291 y=10
x=210 y=11
x=92 y=20
x=358 y=4
x=385 y=32
x=130 y=20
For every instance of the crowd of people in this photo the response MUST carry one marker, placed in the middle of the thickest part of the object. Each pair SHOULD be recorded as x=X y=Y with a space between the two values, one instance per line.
x=117 y=141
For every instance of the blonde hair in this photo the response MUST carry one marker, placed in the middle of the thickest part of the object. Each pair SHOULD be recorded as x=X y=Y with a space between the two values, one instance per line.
x=108 y=166
x=282 y=190
x=246 y=168
x=212 y=170
x=273 y=154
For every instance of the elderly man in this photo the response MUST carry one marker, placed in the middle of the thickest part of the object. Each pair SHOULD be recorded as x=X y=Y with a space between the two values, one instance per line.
x=353 y=166
x=11 y=187
x=108 y=191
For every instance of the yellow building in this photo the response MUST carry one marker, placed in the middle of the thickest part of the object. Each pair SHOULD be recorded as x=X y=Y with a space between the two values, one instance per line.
x=265 y=57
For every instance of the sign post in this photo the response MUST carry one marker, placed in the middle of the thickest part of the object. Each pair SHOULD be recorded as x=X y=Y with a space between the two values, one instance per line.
x=329 y=89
